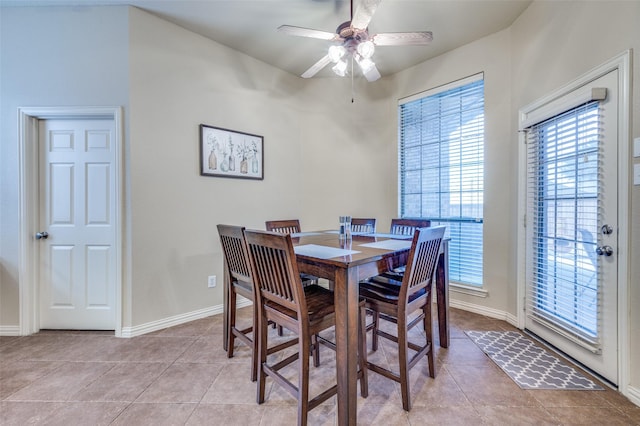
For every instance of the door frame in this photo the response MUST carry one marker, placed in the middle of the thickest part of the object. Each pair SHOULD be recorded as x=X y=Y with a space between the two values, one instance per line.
x=621 y=63
x=29 y=209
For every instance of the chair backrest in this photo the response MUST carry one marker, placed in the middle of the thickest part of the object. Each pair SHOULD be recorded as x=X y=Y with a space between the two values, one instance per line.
x=422 y=261
x=363 y=225
x=275 y=271
x=283 y=226
x=408 y=226
x=235 y=252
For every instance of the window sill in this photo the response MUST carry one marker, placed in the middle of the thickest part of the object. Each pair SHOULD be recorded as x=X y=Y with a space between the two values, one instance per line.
x=468 y=289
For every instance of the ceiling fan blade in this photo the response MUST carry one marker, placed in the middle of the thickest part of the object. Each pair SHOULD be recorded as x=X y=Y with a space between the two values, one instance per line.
x=403 y=39
x=363 y=13
x=307 y=32
x=323 y=62
x=370 y=72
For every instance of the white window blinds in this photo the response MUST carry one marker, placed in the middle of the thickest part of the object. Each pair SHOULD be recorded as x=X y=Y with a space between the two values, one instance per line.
x=563 y=172
x=441 y=156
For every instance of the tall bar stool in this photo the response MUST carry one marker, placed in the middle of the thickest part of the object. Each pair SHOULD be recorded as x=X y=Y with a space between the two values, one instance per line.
x=236 y=258
x=363 y=225
x=290 y=226
x=395 y=301
x=406 y=226
x=305 y=311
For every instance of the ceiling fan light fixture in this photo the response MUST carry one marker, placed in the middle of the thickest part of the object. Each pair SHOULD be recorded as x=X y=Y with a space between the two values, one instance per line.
x=366 y=64
x=340 y=68
x=366 y=49
x=336 y=53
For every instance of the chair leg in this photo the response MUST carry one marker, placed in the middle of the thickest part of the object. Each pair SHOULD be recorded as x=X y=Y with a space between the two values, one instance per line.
x=374 y=335
x=315 y=350
x=428 y=331
x=403 y=351
x=303 y=379
x=254 y=347
x=261 y=335
x=231 y=321
x=362 y=356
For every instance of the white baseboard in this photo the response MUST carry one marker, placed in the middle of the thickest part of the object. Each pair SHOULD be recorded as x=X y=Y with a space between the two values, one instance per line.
x=483 y=310
x=9 y=330
x=149 y=327
x=634 y=395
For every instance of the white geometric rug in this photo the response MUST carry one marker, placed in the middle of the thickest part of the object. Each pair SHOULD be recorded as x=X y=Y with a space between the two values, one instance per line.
x=530 y=366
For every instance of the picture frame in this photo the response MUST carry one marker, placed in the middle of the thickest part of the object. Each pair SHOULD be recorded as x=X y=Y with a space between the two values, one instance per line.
x=231 y=154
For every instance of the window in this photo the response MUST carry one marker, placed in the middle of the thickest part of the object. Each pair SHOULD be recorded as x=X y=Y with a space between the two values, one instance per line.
x=441 y=154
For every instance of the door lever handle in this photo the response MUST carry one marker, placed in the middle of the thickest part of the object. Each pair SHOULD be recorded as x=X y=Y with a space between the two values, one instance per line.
x=42 y=235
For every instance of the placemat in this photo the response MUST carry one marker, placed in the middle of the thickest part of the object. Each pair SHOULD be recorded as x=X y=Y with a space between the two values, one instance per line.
x=322 y=252
x=388 y=244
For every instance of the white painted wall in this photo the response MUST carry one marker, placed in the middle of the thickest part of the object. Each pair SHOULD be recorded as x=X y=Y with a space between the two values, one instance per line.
x=50 y=57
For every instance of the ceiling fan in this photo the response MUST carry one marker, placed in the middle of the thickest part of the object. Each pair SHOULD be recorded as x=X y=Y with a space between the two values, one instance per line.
x=352 y=39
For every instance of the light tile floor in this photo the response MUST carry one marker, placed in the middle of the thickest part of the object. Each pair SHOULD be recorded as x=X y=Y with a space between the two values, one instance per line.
x=181 y=376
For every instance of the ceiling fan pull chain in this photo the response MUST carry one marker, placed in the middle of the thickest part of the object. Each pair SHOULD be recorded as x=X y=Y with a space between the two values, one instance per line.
x=352 y=89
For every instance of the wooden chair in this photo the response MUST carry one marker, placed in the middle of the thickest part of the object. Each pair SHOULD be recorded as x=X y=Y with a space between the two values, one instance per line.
x=290 y=226
x=236 y=258
x=363 y=225
x=305 y=311
x=406 y=226
x=283 y=226
x=240 y=282
x=396 y=301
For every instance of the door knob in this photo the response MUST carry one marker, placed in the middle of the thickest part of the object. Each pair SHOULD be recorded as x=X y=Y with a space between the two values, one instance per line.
x=42 y=235
x=607 y=229
x=604 y=251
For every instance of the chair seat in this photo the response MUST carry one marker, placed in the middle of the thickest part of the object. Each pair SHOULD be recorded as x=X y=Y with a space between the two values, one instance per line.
x=385 y=289
x=319 y=304
x=248 y=287
x=308 y=279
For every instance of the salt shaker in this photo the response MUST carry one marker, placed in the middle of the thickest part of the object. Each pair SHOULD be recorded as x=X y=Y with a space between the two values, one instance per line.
x=347 y=227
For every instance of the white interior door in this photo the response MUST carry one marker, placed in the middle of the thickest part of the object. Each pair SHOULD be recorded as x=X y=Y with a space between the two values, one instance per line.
x=77 y=195
x=572 y=230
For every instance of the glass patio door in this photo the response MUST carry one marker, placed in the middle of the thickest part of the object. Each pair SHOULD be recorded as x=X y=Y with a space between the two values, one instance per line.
x=571 y=283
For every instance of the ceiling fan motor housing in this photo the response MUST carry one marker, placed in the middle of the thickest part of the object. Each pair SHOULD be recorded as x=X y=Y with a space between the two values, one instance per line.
x=351 y=36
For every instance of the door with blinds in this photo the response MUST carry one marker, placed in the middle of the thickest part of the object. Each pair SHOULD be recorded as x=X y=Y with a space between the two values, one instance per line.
x=571 y=230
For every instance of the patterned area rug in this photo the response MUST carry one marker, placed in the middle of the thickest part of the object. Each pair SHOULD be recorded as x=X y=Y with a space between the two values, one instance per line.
x=530 y=366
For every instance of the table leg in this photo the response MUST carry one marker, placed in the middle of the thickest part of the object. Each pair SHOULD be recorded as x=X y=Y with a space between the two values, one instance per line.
x=442 y=291
x=346 y=294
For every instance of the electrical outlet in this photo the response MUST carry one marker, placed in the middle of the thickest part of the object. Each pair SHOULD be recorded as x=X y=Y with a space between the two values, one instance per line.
x=211 y=282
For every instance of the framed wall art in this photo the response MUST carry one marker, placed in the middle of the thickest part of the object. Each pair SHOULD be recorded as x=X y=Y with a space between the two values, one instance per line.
x=228 y=153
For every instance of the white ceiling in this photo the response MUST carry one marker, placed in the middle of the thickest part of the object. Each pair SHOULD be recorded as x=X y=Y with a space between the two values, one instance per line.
x=249 y=26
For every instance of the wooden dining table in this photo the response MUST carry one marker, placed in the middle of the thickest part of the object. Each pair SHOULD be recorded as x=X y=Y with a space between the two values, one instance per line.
x=345 y=264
